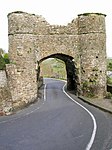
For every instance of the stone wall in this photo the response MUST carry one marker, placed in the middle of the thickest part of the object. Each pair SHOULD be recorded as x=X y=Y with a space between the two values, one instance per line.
x=3 y=79
x=22 y=70
x=81 y=45
x=5 y=95
x=61 y=44
x=32 y=38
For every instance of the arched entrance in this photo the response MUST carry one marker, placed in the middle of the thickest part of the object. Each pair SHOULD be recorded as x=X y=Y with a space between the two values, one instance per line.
x=72 y=78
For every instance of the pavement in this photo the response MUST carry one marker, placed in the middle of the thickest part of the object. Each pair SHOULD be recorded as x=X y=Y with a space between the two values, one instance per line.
x=103 y=104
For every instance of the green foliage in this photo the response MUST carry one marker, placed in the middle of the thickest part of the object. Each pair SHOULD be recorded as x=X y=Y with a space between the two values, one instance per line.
x=4 y=59
x=109 y=64
x=85 y=84
x=89 y=89
x=109 y=95
x=109 y=80
x=54 y=68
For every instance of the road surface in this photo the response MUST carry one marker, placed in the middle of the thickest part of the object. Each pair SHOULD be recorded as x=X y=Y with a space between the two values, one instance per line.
x=56 y=122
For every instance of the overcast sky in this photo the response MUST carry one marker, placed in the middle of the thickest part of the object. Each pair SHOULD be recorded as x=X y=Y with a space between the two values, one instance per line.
x=56 y=12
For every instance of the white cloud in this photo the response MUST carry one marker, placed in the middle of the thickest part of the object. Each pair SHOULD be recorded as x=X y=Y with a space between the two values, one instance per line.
x=55 y=12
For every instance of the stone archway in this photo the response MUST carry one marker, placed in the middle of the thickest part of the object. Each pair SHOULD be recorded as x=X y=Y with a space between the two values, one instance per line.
x=71 y=71
x=32 y=38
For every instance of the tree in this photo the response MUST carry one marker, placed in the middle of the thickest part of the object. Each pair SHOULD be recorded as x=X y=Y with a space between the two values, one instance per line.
x=4 y=59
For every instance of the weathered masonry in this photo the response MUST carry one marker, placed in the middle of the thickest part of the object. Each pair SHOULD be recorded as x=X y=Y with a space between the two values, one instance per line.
x=81 y=45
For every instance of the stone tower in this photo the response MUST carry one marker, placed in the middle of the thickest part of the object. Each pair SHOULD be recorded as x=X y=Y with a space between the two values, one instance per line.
x=92 y=47
x=22 y=70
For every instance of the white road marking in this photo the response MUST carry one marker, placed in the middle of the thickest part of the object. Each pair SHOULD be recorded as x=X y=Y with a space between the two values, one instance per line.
x=45 y=92
x=89 y=145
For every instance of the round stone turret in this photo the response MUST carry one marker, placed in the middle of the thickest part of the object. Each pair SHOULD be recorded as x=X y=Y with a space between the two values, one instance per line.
x=91 y=23
x=92 y=45
x=20 y=22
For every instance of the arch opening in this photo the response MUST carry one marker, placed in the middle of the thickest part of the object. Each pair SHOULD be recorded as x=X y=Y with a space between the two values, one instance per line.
x=71 y=71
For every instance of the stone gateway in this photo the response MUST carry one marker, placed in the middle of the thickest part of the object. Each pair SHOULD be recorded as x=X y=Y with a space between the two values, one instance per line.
x=81 y=45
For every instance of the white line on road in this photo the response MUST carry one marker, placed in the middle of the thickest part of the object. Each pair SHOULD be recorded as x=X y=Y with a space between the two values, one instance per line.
x=89 y=145
x=45 y=92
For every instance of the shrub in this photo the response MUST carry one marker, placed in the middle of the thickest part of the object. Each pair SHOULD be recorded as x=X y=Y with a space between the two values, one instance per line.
x=109 y=95
x=4 y=59
x=109 y=80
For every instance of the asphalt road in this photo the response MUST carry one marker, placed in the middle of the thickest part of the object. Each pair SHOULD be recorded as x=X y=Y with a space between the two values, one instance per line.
x=56 y=122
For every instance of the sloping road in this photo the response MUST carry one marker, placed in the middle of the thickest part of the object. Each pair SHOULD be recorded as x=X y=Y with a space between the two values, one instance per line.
x=56 y=122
